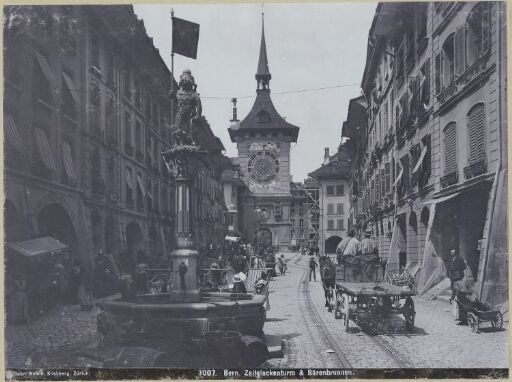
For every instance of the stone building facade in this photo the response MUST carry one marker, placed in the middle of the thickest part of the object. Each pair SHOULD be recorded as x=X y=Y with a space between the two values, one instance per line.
x=86 y=117
x=429 y=173
x=333 y=198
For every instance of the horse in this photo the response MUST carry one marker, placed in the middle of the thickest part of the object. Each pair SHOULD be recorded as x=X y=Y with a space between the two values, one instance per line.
x=328 y=276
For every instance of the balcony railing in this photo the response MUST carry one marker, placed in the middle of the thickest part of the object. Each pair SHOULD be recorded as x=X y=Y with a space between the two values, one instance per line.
x=449 y=179
x=475 y=169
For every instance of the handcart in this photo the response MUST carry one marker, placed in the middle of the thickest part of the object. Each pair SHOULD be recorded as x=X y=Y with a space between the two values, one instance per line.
x=361 y=291
x=474 y=312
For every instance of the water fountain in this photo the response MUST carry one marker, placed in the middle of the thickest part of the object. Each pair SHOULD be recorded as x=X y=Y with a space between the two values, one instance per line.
x=193 y=327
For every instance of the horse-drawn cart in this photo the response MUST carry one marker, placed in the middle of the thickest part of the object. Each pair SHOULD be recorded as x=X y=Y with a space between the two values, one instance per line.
x=361 y=291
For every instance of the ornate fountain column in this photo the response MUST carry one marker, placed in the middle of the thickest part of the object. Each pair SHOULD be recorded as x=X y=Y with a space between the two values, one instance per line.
x=181 y=160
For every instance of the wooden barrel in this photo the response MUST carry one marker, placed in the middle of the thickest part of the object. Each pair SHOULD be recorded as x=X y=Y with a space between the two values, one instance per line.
x=225 y=346
x=254 y=350
x=135 y=357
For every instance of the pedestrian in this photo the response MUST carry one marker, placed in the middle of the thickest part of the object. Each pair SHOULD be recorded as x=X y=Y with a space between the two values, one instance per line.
x=312 y=267
x=456 y=267
x=317 y=251
x=282 y=265
x=19 y=308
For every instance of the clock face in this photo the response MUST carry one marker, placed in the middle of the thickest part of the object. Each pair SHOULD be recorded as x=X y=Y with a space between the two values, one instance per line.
x=263 y=166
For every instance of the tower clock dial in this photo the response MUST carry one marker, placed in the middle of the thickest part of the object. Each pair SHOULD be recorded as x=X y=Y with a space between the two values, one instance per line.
x=263 y=166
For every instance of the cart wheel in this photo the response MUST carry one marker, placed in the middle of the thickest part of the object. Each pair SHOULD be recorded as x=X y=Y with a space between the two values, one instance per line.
x=409 y=313
x=497 y=322
x=473 y=323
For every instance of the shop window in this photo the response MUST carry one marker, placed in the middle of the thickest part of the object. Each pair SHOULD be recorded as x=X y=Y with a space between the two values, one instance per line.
x=478 y=32
x=450 y=148
x=476 y=134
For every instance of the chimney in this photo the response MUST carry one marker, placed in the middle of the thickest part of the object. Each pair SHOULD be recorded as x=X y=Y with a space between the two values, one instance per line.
x=326 y=156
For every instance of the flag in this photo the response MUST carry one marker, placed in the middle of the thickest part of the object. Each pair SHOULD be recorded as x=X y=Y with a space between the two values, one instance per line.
x=185 y=36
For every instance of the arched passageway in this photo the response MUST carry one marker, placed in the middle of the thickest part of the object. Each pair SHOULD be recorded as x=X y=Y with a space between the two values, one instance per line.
x=331 y=244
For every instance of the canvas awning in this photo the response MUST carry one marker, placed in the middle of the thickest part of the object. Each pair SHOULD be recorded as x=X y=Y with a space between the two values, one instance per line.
x=420 y=160
x=44 y=150
x=12 y=134
x=129 y=181
x=35 y=247
x=232 y=238
x=45 y=68
x=68 y=161
x=71 y=87
x=398 y=177
x=441 y=199
x=141 y=184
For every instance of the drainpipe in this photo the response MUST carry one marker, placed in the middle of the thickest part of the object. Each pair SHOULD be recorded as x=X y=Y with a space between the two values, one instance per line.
x=498 y=166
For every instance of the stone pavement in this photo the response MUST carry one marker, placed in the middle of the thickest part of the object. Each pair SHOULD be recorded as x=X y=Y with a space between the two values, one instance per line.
x=436 y=342
x=60 y=330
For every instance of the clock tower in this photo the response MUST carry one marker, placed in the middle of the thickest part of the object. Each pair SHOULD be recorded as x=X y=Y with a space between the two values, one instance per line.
x=263 y=140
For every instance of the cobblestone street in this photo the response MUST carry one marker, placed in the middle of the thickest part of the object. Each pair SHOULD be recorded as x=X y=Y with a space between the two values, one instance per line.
x=437 y=340
x=313 y=338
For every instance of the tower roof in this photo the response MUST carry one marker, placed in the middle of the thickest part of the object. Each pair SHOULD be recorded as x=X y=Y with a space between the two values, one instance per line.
x=263 y=70
x=263 y=115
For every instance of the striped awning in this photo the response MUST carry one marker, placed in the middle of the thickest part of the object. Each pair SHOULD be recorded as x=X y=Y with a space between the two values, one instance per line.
x=71 y=87
x=141 y=184
x=45 y=68
x=129 y=181
x=44 y=150
x=12 y=134
x=67 y=158
x=420 y=160
x=398 y=177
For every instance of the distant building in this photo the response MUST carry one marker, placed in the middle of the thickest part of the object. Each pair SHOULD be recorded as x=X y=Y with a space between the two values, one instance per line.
x=334 y=202
x=263 y=141
x=430 y=164
x=300 y=217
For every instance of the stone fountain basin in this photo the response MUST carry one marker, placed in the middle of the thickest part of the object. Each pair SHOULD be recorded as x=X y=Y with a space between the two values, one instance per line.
x=155 y=316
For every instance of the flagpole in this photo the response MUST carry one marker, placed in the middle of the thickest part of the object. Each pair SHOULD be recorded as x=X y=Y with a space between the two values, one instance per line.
x=172 y=67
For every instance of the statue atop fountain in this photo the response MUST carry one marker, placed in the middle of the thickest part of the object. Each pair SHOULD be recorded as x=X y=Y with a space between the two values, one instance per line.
x=189 y=110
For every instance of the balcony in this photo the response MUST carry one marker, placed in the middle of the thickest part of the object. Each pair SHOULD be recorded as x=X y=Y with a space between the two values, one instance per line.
x=475 y=169
x=449 y=179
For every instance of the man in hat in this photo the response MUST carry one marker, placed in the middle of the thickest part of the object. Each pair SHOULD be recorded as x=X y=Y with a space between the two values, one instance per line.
x=369 y=244
x=348 y=246
x=456 y=267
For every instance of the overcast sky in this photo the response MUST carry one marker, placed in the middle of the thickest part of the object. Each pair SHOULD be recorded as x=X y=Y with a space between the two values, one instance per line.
x=309 y=46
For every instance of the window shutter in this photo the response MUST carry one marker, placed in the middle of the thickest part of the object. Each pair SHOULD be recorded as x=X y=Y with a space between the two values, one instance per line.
x=450 y=147
x=460 y=40
x=387 y=175
x=476 y=134
x=438 y=73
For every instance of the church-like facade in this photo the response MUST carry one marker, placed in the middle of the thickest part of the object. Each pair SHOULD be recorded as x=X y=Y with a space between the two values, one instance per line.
x=263 y=140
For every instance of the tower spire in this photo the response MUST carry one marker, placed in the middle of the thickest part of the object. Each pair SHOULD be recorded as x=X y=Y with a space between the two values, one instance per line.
x=263 y=75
